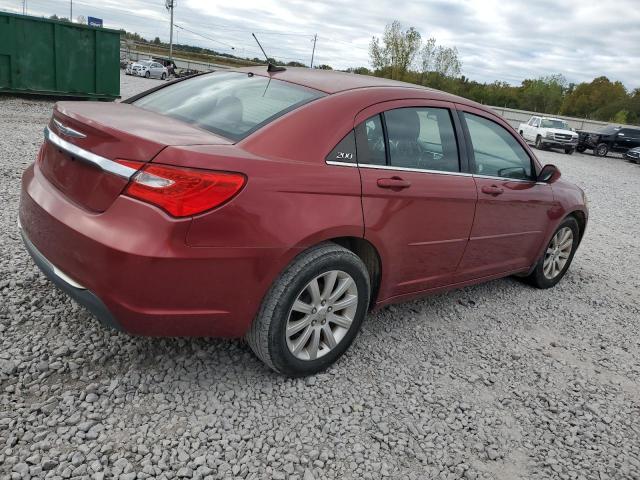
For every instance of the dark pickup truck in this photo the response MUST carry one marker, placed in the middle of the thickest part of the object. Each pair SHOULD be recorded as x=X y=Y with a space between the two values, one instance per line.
x=609 y=139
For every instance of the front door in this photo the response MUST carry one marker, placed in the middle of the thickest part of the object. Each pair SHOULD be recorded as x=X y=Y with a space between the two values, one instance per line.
x=513 y=211
x=418 y=206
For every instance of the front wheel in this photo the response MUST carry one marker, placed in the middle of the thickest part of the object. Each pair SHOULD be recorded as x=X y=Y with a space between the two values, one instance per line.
x=557 y=256
x=569 y=151
x=312 y=312
x=581 y=148
x=147 y=75
x=539 y=142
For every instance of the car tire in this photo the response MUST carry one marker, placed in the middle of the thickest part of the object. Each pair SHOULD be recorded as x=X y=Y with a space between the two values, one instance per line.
x=521 y=133
x=547 y=271
x=164 y=75
x=569 y=151
x=601 y=150
x=147 y=75
x=581 y=149
x=539 y=145
x=268 y=337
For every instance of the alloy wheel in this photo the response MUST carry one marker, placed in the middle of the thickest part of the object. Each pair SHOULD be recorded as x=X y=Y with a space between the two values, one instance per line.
x=321 y=315
x=558 y=253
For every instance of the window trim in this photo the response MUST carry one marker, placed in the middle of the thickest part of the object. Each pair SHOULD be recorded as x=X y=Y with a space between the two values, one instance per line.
x=471 y=154
x=461 y=149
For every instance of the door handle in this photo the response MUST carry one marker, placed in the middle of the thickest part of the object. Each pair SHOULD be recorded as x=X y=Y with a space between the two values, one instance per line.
x=393 y=182
x=492 y=190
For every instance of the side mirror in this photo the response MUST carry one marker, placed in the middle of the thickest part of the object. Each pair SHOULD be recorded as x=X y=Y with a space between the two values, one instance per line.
x=549 y=174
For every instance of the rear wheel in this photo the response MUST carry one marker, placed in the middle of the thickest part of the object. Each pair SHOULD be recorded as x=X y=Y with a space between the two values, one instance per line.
x=581 y=148
x=601 y=150
x=558 y=255
x=569 y=151
x=164 y=75
x=312 y=312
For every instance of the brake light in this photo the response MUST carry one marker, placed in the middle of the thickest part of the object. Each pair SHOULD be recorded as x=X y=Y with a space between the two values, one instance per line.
x=183 y=192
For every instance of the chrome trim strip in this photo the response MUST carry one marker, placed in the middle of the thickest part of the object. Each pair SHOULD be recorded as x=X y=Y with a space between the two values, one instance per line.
x=418 y=170
x=504 y=179
x=102 y=163
x=68 y=130
x=63 y=276
x=341 y=164
x=437 y=172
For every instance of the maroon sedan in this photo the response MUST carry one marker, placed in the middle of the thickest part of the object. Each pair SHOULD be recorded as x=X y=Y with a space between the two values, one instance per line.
x=282 y=206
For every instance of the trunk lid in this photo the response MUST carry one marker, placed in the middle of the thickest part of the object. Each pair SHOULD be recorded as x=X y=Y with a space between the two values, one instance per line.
x=113 y=131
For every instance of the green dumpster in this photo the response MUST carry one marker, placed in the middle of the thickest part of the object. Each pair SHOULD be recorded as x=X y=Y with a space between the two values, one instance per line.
x=50 y=57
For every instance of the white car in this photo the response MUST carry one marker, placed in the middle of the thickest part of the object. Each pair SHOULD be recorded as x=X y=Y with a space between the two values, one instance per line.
x=547 y=132
x=148 y=69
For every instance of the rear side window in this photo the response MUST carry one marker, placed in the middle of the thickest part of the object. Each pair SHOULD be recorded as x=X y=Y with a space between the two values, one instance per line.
x=345 y=151
x=497 y=153
x=422 y=138
x=370 y=140
x=231 y=104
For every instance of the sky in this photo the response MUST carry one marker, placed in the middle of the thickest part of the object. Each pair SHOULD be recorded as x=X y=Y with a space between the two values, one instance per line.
x=503 y=40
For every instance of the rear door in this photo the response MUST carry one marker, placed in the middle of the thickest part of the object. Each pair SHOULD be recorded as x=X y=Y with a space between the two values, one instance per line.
x=513 y=211
x=418 y=205
x=625 y=139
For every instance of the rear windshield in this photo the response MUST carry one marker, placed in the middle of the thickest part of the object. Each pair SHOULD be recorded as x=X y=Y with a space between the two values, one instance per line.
x=230 y=104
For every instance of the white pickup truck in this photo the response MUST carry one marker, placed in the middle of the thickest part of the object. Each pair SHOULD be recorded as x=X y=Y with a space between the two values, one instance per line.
x=547 y=132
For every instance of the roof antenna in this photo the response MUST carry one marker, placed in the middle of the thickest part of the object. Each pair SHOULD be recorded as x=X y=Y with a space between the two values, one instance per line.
x=270 y=66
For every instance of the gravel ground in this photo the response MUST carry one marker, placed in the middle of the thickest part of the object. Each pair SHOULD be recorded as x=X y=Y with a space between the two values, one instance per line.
x=496 y=381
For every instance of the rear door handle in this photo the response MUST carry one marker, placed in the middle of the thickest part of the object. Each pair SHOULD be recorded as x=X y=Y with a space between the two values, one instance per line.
x=393 y=182
x=492 y=190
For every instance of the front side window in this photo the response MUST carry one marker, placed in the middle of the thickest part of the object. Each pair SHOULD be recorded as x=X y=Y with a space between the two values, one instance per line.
x=231 y=104
x=497 y=153
x=422 y=138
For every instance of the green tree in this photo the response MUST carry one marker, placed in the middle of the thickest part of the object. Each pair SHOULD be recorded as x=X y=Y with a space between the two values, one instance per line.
x=324 y=66
x=599 y=99
x=543 y=95
x=396 y=51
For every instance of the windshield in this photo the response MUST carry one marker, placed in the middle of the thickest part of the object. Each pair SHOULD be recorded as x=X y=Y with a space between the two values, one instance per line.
x=231 y=104
x=146 y=63
x=553 y=123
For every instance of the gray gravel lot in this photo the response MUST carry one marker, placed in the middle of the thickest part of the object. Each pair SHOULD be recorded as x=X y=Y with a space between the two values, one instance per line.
x=496 y=381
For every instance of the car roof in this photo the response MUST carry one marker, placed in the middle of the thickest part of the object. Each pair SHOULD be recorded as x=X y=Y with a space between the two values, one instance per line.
x=331 y=81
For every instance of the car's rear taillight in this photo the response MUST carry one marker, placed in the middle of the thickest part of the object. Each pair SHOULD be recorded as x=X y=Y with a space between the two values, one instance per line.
x=183 y=191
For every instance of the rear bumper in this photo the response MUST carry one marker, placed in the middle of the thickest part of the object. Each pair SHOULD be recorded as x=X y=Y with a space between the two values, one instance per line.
x=138 y=273
x=84 y=297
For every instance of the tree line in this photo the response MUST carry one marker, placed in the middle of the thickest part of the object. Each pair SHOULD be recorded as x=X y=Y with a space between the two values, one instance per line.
x=402 y=55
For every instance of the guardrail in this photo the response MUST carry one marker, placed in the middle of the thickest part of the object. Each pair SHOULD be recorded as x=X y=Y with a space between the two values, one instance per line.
x=136 y=55
x=516 y=117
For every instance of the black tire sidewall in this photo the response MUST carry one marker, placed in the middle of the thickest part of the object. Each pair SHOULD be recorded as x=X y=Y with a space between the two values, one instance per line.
x=147 y=75
x=539 y=142
x=282 y=358
x=603 y=146
x=538 y=278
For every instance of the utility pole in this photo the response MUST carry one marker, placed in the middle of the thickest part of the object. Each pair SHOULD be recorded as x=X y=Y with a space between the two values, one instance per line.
x=170 y=4
x=71 y=11
x=24 y=7
x=313 y=52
